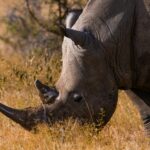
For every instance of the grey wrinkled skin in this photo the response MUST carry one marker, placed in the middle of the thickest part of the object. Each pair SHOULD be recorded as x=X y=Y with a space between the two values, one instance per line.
x=107 y=49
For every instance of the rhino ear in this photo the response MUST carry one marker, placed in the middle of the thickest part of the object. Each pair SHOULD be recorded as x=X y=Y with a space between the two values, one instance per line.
x=72 y=17
x=78 y=37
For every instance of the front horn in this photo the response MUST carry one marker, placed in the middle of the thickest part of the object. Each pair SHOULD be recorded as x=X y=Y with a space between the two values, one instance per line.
x=27 y=118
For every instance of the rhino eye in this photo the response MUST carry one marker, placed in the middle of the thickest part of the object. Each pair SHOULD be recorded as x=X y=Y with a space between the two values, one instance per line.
x=77 y=98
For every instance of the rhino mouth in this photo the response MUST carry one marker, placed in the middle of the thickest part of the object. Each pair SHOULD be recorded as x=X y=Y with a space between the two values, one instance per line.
x=54 y=108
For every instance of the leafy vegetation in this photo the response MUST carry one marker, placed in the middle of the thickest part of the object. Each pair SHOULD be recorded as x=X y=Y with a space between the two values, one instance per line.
x=35 y=25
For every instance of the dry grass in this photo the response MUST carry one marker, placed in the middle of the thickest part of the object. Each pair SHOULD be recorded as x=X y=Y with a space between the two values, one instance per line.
x=124 y=131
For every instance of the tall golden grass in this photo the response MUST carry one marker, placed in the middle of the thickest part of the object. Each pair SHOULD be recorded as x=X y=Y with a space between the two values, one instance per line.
x=17 y=74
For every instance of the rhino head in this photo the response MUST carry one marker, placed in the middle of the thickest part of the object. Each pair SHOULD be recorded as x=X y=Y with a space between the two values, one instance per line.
x=86 y=89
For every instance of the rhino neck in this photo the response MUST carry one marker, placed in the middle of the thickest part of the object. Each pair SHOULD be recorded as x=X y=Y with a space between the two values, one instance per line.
x=111 y=22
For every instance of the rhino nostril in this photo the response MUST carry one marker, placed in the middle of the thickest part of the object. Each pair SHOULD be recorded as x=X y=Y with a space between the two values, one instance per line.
x=77 y=98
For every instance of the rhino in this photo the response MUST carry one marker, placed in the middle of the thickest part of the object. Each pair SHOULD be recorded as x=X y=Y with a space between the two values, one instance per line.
x=106 y=48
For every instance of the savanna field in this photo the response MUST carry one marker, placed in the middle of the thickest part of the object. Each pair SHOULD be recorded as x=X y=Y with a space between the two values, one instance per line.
x=18 y=72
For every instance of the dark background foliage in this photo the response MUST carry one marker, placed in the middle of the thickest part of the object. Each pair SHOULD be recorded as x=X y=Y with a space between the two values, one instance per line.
x=34 y=26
